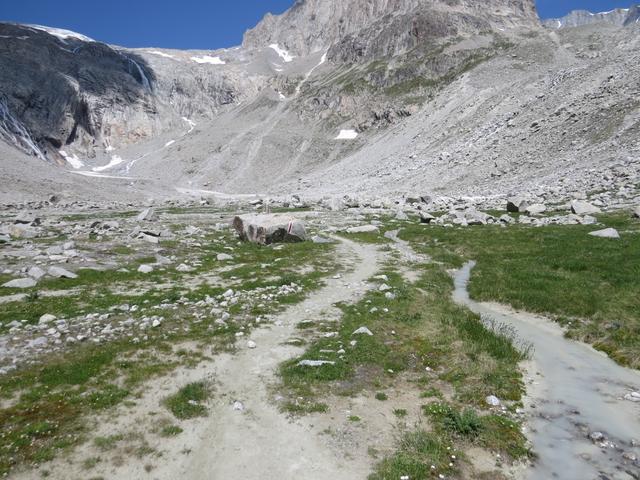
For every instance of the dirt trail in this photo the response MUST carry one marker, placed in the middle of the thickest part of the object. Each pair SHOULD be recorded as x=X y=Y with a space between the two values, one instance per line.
x=260 y=442
x=573 y=391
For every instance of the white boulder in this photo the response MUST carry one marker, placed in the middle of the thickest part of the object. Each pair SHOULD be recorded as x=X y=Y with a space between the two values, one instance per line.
x=606 y=233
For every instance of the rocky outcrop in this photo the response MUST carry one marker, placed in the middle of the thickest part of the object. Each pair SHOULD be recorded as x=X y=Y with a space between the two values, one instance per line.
x=619 y=17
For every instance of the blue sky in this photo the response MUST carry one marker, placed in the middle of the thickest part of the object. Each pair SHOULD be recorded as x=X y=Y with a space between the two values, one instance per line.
x=203 y=24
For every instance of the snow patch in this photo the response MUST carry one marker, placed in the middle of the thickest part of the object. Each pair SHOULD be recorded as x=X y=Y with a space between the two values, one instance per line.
x=191 y=124
x=347 y=135
x=101 y=175
x=281 y=53
x=72 y=160
x=208 y=59
x=62 y=34
x=160 y=54
x=115 y=161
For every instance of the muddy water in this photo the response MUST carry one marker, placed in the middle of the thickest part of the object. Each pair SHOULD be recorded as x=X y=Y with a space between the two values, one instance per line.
x=572 y=392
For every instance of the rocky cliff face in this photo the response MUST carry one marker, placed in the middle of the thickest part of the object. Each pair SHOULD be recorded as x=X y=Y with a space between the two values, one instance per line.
x=63 y=91
x=619 y=17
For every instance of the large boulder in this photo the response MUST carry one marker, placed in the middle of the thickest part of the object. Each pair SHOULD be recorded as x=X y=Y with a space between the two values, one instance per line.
x=580 y=207
x=636 y=212
x=268 y=229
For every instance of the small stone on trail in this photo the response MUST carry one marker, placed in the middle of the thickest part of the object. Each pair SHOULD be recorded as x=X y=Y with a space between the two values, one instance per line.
x=238 y=406
x=493 y=401
x=251 y=344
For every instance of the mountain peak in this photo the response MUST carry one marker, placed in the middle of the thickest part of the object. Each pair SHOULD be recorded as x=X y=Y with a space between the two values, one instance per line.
x=619 y=17
x=314 y=25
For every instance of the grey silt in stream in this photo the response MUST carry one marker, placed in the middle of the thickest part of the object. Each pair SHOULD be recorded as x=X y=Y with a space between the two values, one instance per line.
x=576 y=393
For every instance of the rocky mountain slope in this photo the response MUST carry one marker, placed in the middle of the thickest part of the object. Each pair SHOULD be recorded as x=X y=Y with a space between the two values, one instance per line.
x=578 y=18
x=370 y=98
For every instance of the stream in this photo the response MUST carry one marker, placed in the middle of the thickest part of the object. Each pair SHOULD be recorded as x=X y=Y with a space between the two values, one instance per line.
x=579 y=422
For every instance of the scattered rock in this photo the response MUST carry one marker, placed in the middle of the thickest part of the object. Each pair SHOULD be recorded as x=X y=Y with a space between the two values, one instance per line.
x=606 y=233
x=493 y=401
x=517 y=205
x=633 y=397
x=21 y=283
x=223 y=257
x=251 y=344
x=426 y=217
x=363 y=331
x=36 y=273
x=47 y=318
x=147 y=215
x=636 y=212
x=59 y=272
x=580 y=207
x=145 y=269
x=26 y=218
x=238 y=406
x=535 y=209
x=363 y=229
x=319 y=239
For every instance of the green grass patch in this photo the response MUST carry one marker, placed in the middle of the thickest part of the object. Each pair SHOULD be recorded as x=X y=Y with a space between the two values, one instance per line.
x=419 y=455
x=496 y=433
x=422 y=328
x=171 y=431
x=188 y=401
x=591 y=285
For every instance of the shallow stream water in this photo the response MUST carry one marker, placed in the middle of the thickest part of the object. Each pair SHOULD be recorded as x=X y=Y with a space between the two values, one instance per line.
x=573 y=393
